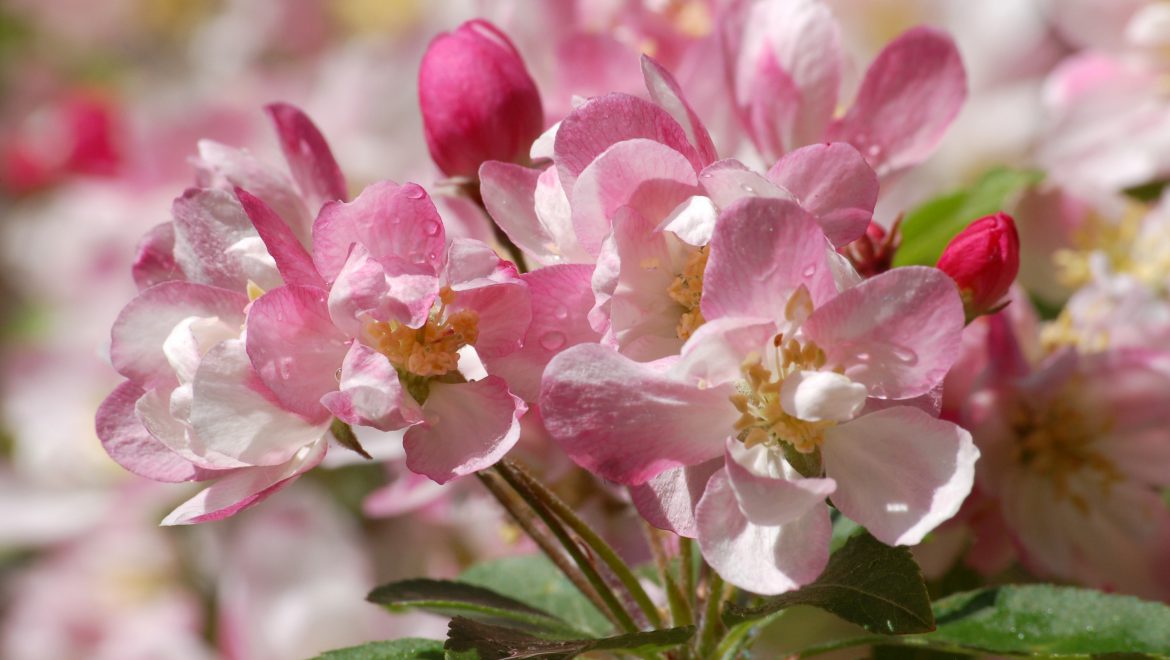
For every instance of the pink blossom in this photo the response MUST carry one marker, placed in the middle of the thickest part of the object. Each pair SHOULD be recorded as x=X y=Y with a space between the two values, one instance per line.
x=193 y=407
x=785 y=62
x=983 y=260
x=779 y=381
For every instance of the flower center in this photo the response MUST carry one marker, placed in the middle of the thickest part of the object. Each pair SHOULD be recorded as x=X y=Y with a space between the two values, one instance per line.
x=763 y=419
x=687 y=290
x=433 y=349
x=1058 y=441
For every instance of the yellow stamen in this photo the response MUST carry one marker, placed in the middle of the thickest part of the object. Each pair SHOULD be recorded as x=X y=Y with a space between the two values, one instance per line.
x=433 y=349
x=687 y=291
x=762 y=418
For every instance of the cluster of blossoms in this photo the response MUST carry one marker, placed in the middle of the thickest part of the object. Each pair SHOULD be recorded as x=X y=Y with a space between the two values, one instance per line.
x=693 y=329
x=721 y=335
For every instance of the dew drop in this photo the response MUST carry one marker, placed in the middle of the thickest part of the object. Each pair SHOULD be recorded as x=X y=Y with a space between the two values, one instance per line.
x=748 y=189
x=414 y=192
x=873 y=150
x=431 y=228
x=706 y=175
x=863 y=357
x=551 y=341
x=561 y=312
x=284 y=368
x=337 y=375
x=905 y=355
x=809 y=271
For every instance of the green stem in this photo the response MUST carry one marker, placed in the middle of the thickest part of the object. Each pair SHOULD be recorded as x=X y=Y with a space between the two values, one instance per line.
x=625 y=620
x=686 y=556
x=709 y=630
x=680 y=609
x=528 y=522
x=606 y=552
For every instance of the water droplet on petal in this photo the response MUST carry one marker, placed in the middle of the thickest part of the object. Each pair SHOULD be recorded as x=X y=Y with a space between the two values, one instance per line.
x=284 y=368
x=431 y=228
x=748 y=189
x=809 y=271
x=863 y=357
x=905 y=355
x=414 y=192
x=551 y=341
x=561 y=312
x=337 y=375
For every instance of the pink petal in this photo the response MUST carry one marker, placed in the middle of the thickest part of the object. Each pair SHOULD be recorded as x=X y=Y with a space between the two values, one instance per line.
x=508 y=192
x=504 y=311
x=769 y=491
x=604 y=121
x=787 y=70
x=729 y=180
x=627 y=421
x=292 y=260
x=762 y=559
x=897 y=333
x=207 y=223
x=832 y=182
x=668 y=500
x=234 y=415
x=911 y=94
x=226 y=168
x=364 y=288
x=714 y=354
x=763 y=250
x=398 y=225
x=309 y=158
x=295 y=347
x=136 y=348
x=665 y=91
x=370 y=394
x=244 y=488
x=561 y=300
x=645 y=175
x=127 y=441
x=899 y=472
x=472 y=263
x=154 y=261
x=468 y=427
x=405 y=494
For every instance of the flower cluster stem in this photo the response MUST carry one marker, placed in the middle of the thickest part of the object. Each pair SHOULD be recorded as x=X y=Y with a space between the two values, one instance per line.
x=528 y=521
x=680 y=606
x=711 y=625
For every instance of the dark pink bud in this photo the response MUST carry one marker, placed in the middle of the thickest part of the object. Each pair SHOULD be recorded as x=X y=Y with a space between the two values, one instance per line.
x=983 y=260
x=478 y=101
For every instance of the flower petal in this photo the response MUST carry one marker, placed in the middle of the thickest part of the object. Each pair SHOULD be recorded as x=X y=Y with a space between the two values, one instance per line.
x=365 y=289
x=665 y=91
x=309 y=158
x=234 y=415
x=606 y=120
x=244 y=488
x=467 y=427
x=208 y=223
x=627 y=421
x=832 y=182
x=295 y=347
x=154 y=260
x=293 y=261
x=645 y=175
x=911 y=94
x=668 y=500
x=897 y=333
x=398 y=225
x=763 y=250
x=769 y=491
x=818 y=396
x=899 y=472
x=370 y=394
x=762 y=559
x=714 y=354
x=136 y=348
x=127 y=441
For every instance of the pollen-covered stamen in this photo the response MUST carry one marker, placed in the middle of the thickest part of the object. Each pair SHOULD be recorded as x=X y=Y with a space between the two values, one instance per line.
x=763 y=419
x=1058 y=441
x=687 y=290
x=433 y=349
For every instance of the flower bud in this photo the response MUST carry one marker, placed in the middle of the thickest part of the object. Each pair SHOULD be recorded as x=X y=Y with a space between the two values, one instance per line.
x=478 y=101
x=983 y=260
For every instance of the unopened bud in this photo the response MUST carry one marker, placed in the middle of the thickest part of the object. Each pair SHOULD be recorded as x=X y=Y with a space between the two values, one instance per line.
x=983 y=260
x=478 y=101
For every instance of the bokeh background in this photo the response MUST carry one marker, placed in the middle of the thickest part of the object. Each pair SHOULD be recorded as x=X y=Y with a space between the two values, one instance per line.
x=101 y=106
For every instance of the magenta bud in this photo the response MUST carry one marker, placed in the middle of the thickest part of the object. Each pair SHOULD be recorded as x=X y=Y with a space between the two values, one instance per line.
x=983 y=260
x=478 y=101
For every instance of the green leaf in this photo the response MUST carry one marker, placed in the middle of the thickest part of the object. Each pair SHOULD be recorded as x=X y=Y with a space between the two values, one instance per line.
x=1146 y=192
x=496 y=642
x=455 y=598
x=346 y=438
x=868 y=583
x=843 y=530
x=412 y=648
x=1045 y=620
x=927 y=229
x=536 y=582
